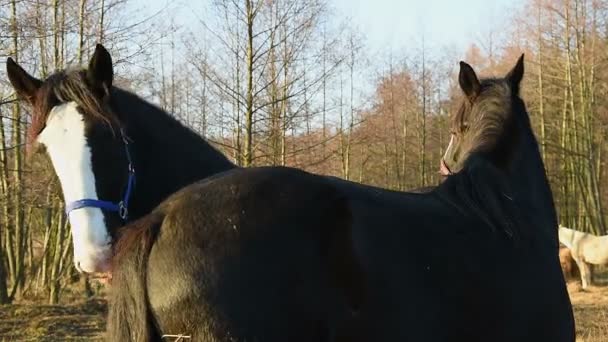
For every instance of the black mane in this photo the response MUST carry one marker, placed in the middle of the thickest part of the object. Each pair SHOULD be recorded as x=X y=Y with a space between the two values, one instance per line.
x=138 y=114
x=167 y=155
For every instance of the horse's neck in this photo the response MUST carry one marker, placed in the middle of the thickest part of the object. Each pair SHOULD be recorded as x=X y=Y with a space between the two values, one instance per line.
x=166 y=164
x=167 y=156
x=567 y=237
x=531 y=185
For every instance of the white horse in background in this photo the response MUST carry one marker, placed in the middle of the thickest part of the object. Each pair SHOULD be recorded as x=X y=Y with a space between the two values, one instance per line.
x=586 y=249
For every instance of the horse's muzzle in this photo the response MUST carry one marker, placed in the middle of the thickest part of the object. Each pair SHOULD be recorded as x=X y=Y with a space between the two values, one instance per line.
x=444 y=170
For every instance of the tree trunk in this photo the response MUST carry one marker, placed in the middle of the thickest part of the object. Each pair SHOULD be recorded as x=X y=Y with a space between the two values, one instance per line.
x=541 y=99
x=19 y=247
x=250 y=17
x=102 y=14
x=81 y=19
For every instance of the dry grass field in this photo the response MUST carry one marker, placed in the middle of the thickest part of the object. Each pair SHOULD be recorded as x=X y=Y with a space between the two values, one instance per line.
x=85 y=321
x=591 y=309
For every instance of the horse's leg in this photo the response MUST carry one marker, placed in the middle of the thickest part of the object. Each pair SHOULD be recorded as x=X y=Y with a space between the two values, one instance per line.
x=582 y=270
x=585 y=274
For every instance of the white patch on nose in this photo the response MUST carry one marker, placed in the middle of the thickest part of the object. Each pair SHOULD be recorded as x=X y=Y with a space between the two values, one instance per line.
x=449 y=148
x=66 y=143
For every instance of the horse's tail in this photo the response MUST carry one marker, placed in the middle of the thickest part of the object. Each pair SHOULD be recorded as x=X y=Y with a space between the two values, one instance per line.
x=129 y=318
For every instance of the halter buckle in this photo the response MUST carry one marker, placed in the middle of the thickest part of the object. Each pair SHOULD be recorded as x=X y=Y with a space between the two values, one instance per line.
x=123 y=211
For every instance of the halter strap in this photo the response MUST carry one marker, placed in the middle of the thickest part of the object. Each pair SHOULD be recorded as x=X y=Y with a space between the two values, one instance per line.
x=122 y=207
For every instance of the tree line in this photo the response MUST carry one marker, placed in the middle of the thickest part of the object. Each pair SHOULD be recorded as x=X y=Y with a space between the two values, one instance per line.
x=286 y=82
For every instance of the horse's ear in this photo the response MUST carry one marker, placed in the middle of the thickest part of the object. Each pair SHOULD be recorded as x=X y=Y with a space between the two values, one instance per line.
x=516 y=74
x=25 y=84
x=100 y=73
x=469 y=83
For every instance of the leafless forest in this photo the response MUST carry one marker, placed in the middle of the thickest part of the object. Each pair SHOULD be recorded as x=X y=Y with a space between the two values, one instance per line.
x=282 y=82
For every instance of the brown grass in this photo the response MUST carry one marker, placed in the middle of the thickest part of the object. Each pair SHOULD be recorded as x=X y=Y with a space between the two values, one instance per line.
x=591 y=308
x=85 y=321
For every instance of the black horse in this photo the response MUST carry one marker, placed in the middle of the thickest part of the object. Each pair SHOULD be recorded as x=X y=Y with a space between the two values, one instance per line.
x=275 y=254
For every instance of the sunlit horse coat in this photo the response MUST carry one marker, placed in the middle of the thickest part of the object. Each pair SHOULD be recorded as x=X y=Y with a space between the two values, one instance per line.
x=586 y=249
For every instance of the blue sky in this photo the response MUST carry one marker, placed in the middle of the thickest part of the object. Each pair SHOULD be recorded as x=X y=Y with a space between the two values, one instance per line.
x=455 y=23
x=395 y=24
x=394 y=27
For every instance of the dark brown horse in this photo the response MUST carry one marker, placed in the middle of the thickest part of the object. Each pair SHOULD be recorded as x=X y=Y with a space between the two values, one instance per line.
x=275 y=254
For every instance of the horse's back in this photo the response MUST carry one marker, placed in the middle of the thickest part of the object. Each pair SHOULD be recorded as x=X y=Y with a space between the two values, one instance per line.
x=249 y=256
x=252 y=253
x=594 y=249
x=440 y=271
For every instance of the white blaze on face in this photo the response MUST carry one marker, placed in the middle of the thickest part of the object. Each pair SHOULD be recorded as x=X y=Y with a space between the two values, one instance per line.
x=66 y=143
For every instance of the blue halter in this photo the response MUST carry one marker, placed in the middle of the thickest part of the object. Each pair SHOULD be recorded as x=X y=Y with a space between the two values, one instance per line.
x=122 y=207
